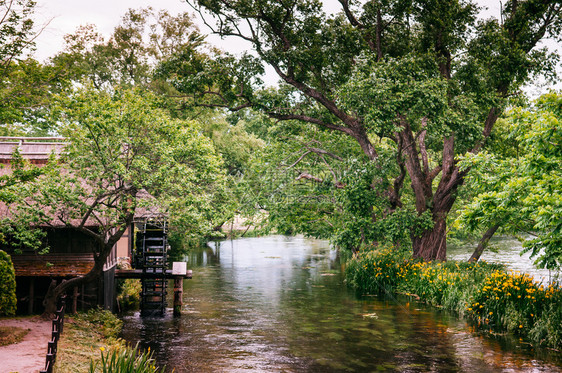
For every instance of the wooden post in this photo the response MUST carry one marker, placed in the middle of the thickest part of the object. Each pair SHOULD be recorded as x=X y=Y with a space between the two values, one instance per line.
x=74 y=308
x=82 y=298
x=178 y=295
x=31 y=295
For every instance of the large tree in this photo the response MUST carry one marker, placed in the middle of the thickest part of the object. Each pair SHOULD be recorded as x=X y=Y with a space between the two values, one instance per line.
x=521 y=190
x=142 y=39
x=425 y=77
x=26 y=91
x=123 y=155
x=16 y=29
x=25 y=84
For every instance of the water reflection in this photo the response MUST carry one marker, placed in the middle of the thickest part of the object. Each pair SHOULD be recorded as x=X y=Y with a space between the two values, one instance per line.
x=278 y=304
x=505 y=250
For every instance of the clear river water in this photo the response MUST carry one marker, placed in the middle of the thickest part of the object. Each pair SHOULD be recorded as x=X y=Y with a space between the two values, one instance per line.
x=279 y=304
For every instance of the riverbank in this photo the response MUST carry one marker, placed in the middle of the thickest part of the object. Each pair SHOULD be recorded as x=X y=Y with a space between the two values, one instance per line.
x=88 y=336
x=85 y=334
x=493 y=299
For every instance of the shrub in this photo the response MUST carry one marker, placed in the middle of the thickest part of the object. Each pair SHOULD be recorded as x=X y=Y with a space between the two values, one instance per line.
x=128 y=294
x=507 y=301
x=108 y=323
x=8 y=298
x=125 y=360
x=376 y=270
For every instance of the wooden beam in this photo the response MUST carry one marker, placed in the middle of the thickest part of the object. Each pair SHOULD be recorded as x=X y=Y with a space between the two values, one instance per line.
x=137 y=273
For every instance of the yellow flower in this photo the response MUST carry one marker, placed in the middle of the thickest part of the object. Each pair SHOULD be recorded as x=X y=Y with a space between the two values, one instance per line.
x=520 y=326
x=491 y=313
x=102 y=349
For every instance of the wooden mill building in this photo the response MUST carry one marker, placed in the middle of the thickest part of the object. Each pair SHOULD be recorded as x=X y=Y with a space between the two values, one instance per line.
x=70 y=253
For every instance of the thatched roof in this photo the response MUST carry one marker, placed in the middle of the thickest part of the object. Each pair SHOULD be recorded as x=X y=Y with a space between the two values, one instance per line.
x=35 y=149
x=38 y=150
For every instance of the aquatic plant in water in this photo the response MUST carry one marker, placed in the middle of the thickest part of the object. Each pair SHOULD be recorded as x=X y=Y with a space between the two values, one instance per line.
x=493 y=298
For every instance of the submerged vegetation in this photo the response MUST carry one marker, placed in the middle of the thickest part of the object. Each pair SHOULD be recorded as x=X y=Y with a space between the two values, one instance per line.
x=493 y=298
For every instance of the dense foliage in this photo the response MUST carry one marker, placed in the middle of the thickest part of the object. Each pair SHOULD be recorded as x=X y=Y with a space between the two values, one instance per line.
x=411 y=84
x=24 y=83
x=520 y=190
x=124 y=158
x=7 y=286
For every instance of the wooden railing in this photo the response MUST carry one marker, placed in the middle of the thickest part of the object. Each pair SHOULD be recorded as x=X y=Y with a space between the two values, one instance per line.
x=56 y=331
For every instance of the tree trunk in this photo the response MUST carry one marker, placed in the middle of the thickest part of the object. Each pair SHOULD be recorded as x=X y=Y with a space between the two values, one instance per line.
x=106 y=242
x=54 y=293
x=50 y=301
x=483 y=243
x=432 y=243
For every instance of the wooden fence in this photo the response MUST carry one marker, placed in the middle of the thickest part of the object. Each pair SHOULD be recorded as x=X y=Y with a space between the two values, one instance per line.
x=56 y=331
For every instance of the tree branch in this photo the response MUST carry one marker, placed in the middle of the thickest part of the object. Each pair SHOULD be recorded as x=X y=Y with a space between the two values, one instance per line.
x=298 y=160
x=423 y=150
x=309 y=119
x=307 y=176
x=483 y=243
x=325 y=152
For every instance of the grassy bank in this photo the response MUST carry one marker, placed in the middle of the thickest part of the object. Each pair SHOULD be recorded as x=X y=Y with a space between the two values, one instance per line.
x=90 y=343
x=493 y=298
x=11 y=335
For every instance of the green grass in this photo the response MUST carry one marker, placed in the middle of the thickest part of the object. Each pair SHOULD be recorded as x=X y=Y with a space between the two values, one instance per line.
x=87 y=337
x=11 y=334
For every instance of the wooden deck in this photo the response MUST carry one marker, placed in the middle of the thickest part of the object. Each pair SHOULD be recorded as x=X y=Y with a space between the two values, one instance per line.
x=137 y=273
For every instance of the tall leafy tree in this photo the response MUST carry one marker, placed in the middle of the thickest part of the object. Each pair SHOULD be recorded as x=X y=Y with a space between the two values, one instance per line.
x=123 y=156
x=521 y=192
x=143 y=38
x=426 y=78
x=16 y=29
x=25 y=84
x=26 y=95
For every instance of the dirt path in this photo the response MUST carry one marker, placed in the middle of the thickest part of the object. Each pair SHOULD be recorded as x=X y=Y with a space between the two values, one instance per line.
x=27 y=356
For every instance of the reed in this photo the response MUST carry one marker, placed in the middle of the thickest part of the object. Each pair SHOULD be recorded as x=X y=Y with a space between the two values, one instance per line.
x=125 y=360
x=491 y=297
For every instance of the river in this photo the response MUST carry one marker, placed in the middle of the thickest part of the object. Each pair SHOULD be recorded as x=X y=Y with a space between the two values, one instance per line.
x=279 y=304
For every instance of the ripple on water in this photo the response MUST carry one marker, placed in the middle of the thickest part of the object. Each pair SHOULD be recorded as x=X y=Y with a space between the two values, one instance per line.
x=278 y=304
